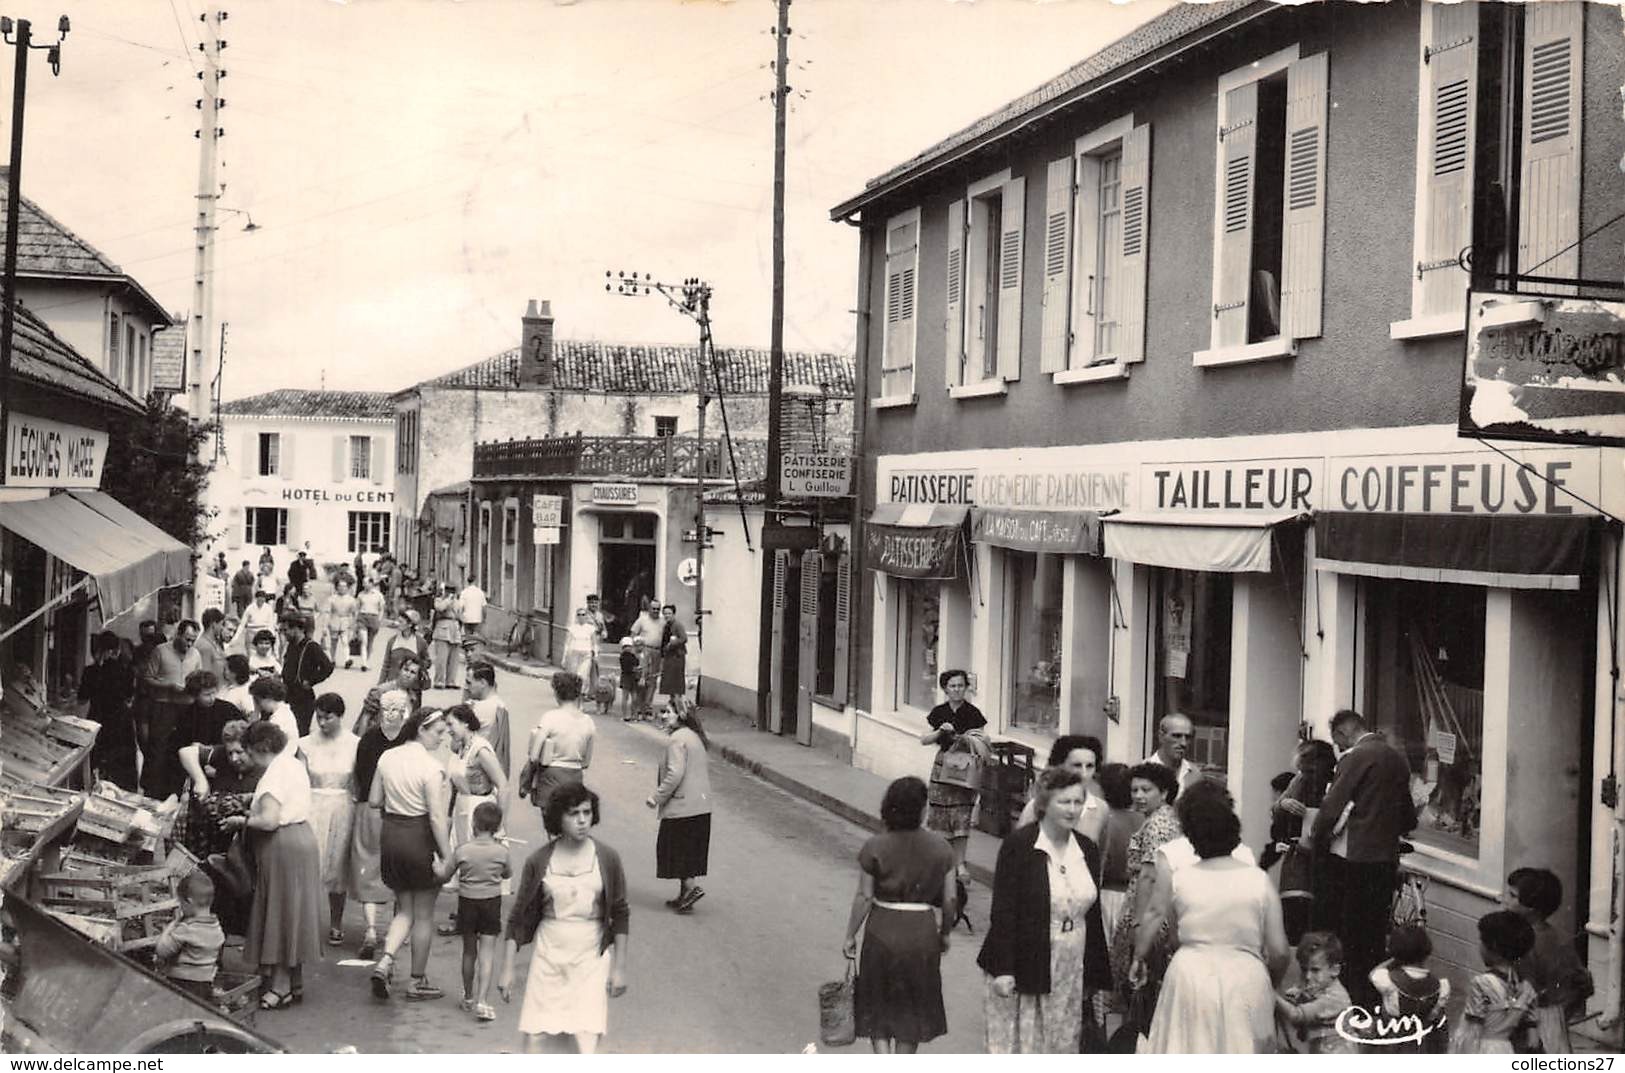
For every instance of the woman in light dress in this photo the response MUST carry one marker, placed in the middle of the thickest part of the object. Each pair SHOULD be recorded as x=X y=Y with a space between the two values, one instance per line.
x=329 y=752
x=1218 y=996
x=581 y=646
x=476 y=774
x=572 y=902
x=560 y=743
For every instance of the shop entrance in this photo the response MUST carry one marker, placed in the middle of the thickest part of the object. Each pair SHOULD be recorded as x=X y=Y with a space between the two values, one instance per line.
x=783 y=700
x=626 y=566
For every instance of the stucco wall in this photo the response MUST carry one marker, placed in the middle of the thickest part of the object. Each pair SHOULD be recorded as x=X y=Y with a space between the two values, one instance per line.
x=733 y=593
x=77 y=313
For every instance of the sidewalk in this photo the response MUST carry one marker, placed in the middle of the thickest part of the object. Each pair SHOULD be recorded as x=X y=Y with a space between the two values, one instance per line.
x=807 y=773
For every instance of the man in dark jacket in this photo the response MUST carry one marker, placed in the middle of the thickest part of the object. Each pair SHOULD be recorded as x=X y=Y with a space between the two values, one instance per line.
x=242 y=589
x=304 y=667
x=1374 y=778
x=300 y=571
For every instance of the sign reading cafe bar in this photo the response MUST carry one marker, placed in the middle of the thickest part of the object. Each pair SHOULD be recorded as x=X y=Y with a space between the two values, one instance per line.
x=41 y=453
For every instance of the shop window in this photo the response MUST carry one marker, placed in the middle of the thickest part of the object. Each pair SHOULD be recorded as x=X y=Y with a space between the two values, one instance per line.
x=270 y=454
x=919 y=619
x=369 y=531
x=1033 y=584
x=1193 y=611
x=265 y=526
x=1423 y=653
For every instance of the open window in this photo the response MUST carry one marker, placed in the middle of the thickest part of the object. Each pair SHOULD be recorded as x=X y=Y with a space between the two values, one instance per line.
x=1270 y=219
x=984 y=284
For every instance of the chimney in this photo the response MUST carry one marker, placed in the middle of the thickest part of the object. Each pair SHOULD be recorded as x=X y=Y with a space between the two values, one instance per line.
x=536 y=346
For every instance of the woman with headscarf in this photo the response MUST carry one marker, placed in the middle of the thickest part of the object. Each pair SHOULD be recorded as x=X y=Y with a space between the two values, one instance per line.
x=366 y=882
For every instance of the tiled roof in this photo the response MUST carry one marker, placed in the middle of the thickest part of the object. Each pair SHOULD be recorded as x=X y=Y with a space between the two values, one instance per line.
x=653 y=369
x=46 y=247
x=1159 y=32
x=292 y=402
x=38 y=355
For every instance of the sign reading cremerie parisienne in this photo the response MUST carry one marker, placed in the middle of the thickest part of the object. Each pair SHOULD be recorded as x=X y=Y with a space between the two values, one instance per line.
x=49 y=454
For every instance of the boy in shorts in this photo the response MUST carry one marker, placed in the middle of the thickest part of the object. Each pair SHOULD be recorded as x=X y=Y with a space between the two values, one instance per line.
x=480 y=865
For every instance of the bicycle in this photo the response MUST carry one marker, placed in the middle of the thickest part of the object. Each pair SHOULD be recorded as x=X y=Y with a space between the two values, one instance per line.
x=522 y=636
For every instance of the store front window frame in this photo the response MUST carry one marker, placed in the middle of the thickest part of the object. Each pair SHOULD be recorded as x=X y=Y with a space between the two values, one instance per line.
x=1049 y=661
x=1207 y=749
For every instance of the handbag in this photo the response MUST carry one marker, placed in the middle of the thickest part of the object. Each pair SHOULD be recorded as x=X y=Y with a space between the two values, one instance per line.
x=527 y=777
x=959 y=765
x=1136 y=1023
x=235 y=868
x=837 y=1017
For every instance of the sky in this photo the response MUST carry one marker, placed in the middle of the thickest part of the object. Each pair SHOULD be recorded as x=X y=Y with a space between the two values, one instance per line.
x=418 y=169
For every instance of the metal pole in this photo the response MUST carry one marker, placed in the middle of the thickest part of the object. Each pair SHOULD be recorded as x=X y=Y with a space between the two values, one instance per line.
x=14 y=193
x=704 y=312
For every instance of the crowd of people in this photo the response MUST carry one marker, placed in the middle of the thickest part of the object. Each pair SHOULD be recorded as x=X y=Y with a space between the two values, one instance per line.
x=1127 y=914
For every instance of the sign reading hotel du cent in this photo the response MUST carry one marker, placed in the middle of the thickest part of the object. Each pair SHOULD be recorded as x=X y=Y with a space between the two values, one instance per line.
x=1270 y=484
x=336 y=495
x=815 y=476
x=41 y=453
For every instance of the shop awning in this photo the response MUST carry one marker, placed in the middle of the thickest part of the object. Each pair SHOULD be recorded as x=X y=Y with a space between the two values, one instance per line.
x=923 y=540
x=128 y=557
x=1222 y=541
x=1065 y=532
x=1519 y=552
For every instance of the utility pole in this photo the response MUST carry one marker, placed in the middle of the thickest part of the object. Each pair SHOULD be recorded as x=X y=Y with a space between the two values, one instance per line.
x=692 y=298
x=775 y=372
x=199 y=374
x=24 y=43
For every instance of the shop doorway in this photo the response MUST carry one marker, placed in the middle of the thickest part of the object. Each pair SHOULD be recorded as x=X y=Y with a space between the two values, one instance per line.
x=784 y=683
x=626 y=566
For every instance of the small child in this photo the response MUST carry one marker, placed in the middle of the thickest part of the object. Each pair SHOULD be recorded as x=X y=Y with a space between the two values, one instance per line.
x=1409 y=989
x=630 y=678
x=191 y=942
x=263 y=661
x=480 y=865
x=1552 y=967
x=1305 y=1015
x=1500 y=1002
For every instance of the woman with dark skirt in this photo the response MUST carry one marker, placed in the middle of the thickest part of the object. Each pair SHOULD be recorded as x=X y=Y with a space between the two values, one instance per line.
x=366 y=881
x=109 y=685
x=560 y=745
x=683 y=801
x=903 y=875
x=284 y=925
x=412 y=790
x=956 y=722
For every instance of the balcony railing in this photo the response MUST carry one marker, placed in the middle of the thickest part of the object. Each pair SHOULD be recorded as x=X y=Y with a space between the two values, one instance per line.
x=647 y=457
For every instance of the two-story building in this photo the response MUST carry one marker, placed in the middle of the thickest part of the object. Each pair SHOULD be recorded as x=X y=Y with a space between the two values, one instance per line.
x=1159 y=369
x=311 y=470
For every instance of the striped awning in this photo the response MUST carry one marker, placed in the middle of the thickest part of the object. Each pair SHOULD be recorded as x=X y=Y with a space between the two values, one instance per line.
x=924 y=540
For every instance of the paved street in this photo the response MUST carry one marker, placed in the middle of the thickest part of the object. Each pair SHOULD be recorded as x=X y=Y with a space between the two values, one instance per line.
x=740 y=974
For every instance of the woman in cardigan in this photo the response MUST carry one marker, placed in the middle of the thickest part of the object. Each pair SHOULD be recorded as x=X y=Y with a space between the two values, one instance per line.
x=683 y=798
x=572 y=901
x=1046 y=943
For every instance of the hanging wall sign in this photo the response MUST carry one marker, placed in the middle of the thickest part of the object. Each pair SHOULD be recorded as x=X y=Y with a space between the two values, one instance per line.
x=41 y=453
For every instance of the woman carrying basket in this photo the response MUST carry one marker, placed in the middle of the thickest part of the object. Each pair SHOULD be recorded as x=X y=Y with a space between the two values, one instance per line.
x=956 y=727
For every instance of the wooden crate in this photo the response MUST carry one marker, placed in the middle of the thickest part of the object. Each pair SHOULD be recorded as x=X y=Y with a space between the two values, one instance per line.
x=119 y=892
x=41 y=811
x=238 y=996
x=72 y=730
x=98 y=930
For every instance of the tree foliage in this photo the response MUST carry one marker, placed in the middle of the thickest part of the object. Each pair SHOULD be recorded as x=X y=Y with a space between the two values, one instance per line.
x=151 y=469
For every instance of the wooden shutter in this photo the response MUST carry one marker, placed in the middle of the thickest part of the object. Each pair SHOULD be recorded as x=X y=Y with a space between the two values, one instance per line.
x=807 y=679
x=1014 y=215
x=249 y=464
x=1057 y=332
x=1549 y=206
x=115 y=343
x=1303 y=253
x=902 y=250
x=1445 y=148
x=284 y=460
x=775 y=682
x=341 y=459
x=376 y=466
x=954 y=351
x=1238 y=149
x=843 y=626
x=1136 y=200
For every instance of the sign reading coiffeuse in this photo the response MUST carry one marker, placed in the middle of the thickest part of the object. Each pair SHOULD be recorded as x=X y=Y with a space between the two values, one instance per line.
x=1465 y=484
x=615 y=495
x=49 y=454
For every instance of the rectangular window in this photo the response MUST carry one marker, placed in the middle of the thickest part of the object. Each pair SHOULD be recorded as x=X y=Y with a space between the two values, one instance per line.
x=270 y=454
x=828 y=592
x=129 y=356
x=919 y=615
x=482 y=548
x=982 y=350
x=1108 y=239
x=369 y=531
x=665 y=426
x=985 y=242
x=1270 y=215
x=1193 y=631
x=361 y=457
x=510 y=553
x=1423 y=651
x=115 y=349
x=265 y=526
x=406 y=442
x=900 y=327
x=1033 y=588
x=542 y=583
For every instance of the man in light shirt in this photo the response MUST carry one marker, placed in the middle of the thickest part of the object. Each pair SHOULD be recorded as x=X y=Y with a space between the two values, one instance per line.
x=1174 y=735
x=1080 y=753
x=471 y=609
x=165 y=680
x=491 y=710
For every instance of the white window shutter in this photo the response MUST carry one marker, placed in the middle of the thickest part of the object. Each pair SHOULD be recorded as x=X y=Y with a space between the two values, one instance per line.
x=1303 y=254
x=341 y=459
x=1136 y=201
x=775 y=681
x=1011 y=250
x=953 y=355
x=1549 y=206
x=249 y=464
x=1233 y=260
x=1057 y=331
x=1444 y=215
x=897 y=367
x=284 y=460
x=376 y=466
x=843 y=626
